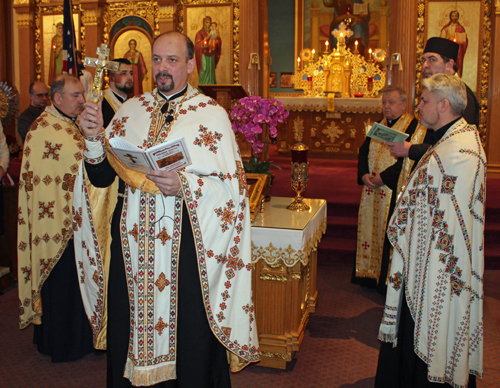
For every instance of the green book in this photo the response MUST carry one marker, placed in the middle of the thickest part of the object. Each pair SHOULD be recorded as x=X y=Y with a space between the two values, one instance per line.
x=383 y=133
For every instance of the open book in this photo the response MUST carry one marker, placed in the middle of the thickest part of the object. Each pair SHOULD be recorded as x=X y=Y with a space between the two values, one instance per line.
x=360 y=9
x=170 y=155
x=383 y=133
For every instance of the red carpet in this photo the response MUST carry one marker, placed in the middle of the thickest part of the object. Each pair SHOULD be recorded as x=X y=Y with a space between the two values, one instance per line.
x=336 y=181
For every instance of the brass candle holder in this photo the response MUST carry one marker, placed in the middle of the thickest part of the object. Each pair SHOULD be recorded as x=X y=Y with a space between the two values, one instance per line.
x=300 y=176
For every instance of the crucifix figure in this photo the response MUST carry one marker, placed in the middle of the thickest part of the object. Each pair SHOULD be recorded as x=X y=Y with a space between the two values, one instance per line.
x=101 y=63
x=132 y=157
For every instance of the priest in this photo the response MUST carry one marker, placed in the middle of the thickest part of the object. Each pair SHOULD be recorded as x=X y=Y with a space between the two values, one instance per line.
x=440 y=57
x=179 y=301
x=432 y=328
x=49 y=291
x=382 y=175
x=121 y=84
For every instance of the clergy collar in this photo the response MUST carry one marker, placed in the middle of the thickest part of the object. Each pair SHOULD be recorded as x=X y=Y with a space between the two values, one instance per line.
x=392 y=122
x=120 y=98
x=65 y=115
x=38 y=109
x=439 y=133
x=174 y=96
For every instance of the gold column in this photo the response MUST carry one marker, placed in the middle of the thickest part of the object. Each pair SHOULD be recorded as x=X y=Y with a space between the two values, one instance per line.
x=25 y=10
x=315 y=27
x=493 y=136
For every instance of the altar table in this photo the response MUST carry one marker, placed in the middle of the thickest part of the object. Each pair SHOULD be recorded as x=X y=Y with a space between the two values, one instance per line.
x=337 y=134
x=284 y=260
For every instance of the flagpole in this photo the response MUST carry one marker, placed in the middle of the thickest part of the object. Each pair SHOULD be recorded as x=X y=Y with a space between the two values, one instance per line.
x=69 y=60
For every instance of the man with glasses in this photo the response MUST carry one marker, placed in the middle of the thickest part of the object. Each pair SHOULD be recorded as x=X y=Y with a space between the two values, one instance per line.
x=39 y=96
x=48 y=283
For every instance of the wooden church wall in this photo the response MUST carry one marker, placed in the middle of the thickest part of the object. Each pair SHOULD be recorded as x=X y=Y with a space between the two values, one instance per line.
x=406 y=23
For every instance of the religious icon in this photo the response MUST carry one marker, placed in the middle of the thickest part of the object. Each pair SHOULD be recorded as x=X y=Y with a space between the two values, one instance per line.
x=356 y=16
x=272 y=79
x=207 y=47
x=56 y=53
x=456 y=32
x=138 y=66
x=286 y=80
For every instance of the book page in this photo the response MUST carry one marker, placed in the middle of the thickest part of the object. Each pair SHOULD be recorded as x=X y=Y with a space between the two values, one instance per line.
x=360 y=9
x=116 y=142
x=170 y=156
x=134 y=160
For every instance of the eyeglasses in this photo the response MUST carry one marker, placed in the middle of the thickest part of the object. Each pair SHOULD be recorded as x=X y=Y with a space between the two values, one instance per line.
x=40 y=95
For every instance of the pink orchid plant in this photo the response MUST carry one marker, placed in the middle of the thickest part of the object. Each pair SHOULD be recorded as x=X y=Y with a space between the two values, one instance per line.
x=251 y=114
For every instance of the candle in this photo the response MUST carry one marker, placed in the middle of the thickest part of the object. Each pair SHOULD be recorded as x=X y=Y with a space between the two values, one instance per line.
x=326 y=46
x=370 y=54
x=299 y=153
x=341 y=40
x=356 y=43
x=313 y=54
x=298 y=63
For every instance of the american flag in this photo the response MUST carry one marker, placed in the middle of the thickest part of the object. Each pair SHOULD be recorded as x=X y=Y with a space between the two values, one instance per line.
x=69 y=60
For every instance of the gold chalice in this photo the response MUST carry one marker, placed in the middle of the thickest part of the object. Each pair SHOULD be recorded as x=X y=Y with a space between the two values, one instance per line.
x=300 y=176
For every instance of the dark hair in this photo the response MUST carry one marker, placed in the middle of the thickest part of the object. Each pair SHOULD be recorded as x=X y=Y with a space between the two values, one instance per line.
x=57 y=86
x=454 y=11
x=30 y=90
x=189 y=43
x=123 y=61
x=446 y=60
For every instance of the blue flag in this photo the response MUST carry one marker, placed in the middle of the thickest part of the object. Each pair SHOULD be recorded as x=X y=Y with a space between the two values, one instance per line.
x=69 y=60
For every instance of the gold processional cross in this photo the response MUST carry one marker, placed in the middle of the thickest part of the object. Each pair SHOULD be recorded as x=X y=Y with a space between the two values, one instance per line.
x=101 y=64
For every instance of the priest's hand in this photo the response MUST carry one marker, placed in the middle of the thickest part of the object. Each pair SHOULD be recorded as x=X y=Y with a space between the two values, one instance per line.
x=368 y=181
x=400 y=149
x=167 y=181
x=91 y=121
x=377 y=180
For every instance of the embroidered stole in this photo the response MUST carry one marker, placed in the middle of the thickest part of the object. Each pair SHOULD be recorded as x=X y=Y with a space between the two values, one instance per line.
x=436 y=230
x=112 y=99
x=374 y=208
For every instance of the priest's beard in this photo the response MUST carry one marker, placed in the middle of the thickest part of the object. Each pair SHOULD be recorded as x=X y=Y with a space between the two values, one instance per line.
x=126 y=89
x=162 y=86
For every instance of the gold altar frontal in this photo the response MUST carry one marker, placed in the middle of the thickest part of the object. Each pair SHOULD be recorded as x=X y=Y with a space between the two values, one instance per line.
x=333 y=133
x=284 y=258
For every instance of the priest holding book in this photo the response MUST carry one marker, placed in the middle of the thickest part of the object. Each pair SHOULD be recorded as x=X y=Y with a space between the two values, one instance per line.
x=179 y=290
x=382 y=175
